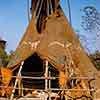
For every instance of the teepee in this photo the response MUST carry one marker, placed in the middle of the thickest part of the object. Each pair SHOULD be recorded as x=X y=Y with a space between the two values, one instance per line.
x=50 y=35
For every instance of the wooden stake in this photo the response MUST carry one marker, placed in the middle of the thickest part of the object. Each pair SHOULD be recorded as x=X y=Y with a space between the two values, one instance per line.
x=20 y=91
x=46 y=75
x=16 y=81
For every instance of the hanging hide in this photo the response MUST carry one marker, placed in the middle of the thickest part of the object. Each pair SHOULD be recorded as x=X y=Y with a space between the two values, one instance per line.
x=6 y=76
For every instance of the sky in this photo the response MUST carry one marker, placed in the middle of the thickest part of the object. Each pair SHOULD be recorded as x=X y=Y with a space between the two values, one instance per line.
x=14 y=20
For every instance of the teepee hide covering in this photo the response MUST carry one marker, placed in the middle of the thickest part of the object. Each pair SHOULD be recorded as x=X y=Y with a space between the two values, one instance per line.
x=51 y=44
x=25 y=47
x=59 y=40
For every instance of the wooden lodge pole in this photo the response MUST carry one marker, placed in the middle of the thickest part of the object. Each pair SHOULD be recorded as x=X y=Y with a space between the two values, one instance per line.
x=16 y=81
x=46 y=75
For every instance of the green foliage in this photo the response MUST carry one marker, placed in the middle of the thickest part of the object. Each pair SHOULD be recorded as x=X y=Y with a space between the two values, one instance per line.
x=5 y=58
x=95 y=58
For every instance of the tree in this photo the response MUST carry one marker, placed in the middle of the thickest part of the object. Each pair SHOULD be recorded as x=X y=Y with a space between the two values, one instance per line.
x=91 y=19
x=85 y=42
x=95 y=58
x=4 y=57
x=91 y=23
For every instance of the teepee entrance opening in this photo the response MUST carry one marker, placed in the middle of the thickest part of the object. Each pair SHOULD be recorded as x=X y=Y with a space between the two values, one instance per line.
x=36 y=74
x=33 y=67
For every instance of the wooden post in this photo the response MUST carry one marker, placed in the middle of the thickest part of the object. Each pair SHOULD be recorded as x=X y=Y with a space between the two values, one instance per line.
x=49 y=80
x=16 y=81
x=46 y=75
x=49 y=85
x=95 y=96
x=20 y=86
